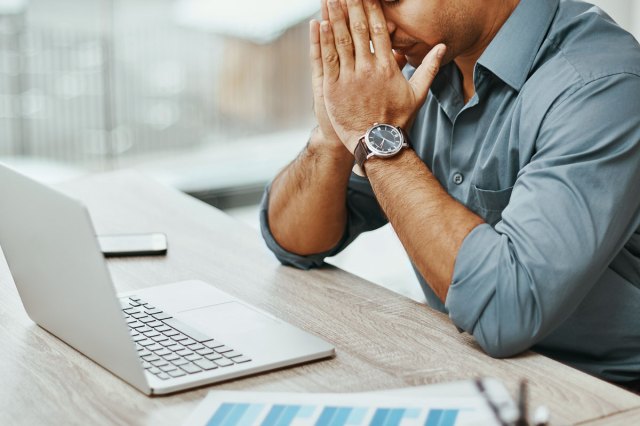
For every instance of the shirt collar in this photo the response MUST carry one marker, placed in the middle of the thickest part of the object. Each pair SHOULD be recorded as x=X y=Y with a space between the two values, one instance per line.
x=511 y=53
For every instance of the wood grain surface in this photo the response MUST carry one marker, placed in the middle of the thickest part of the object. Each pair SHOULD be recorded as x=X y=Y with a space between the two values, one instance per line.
x=383 y=340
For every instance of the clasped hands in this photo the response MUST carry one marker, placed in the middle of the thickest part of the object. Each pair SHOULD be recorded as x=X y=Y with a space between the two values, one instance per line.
x=355 y=87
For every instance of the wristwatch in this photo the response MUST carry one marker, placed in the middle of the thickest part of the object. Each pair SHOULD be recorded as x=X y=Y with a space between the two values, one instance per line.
x=381 y=140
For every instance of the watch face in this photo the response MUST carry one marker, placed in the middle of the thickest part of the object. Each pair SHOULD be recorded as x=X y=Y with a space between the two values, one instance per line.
x=384 y=140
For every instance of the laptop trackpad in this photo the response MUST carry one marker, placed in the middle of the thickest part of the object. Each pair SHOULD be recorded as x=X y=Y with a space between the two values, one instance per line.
x=226 y=319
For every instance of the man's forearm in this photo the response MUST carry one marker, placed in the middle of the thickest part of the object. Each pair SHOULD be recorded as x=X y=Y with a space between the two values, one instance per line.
x=307 y=202
x=429 y=222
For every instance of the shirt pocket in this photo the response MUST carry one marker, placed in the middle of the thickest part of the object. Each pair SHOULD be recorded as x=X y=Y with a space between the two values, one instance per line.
x=489 y=203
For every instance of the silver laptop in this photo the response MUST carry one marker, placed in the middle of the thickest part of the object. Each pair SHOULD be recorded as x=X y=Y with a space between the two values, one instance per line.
x=159 y=340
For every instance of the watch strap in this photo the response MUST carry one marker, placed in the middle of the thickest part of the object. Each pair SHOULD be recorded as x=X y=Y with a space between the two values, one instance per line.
x=361 y=152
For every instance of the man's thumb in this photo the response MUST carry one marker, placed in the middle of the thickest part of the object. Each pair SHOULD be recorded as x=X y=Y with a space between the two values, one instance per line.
x=423 y=76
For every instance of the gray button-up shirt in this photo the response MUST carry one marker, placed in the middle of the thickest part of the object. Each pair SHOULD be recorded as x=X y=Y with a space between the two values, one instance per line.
x=548 y=153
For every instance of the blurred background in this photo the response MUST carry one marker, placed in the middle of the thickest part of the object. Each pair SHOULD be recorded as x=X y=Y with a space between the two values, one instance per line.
x=211 y=97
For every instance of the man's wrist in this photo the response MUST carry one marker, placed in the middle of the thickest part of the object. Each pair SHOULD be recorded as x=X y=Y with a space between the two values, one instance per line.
x=321 y=145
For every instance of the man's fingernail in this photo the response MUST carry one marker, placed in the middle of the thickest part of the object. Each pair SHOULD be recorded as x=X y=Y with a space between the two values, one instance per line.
x=324 y=26
x=441 y=49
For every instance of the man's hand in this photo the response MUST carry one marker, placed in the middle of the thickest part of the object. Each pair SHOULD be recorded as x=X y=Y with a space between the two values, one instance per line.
x=361 y=87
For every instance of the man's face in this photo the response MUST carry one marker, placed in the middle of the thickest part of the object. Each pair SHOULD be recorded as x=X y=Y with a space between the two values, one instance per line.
x=416 y=26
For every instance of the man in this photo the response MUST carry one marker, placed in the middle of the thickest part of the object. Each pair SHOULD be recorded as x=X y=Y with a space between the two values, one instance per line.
x=518 y=200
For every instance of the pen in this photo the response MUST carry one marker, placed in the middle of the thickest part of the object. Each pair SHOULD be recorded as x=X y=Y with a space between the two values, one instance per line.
x=522 y=404
x=492 y=405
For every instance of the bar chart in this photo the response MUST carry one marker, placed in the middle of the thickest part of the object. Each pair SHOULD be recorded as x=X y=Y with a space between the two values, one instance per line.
x=240 y=414
x=232 y=408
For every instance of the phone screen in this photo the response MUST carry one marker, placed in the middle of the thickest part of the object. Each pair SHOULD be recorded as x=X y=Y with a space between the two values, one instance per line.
x=133 y=244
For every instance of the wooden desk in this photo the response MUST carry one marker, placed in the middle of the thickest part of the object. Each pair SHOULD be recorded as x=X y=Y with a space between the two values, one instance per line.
x=383 y=340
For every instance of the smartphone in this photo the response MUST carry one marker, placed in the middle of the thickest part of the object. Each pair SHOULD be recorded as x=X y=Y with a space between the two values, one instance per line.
x=122 y=245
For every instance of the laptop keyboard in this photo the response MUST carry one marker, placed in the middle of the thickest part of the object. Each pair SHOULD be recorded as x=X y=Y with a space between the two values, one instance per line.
x=170 y=348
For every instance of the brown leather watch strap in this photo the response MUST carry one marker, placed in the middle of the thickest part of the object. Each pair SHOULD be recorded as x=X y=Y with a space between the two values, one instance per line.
x=361 y=152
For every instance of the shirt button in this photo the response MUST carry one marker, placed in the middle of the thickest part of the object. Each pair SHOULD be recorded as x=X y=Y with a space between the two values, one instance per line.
x=458 y=178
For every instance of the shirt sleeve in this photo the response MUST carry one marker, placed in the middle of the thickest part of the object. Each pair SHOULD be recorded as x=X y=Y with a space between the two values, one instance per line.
x=571 y=211
x=363 y=214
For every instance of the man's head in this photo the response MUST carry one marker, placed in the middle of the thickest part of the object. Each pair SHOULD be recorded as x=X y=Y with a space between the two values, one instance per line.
x=465 y=26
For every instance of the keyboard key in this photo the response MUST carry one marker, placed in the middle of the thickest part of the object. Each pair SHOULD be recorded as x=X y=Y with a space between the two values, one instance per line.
x=155 y=347
x=139 y=315
x=191 y=368
x=178 y=337
x=205 y=364
x=147 y=320
x=223 y=362
x=186 y=342
x=136 y=325
x=241 y=359
x=154 y=370
x=131 y=311
x=184 y=352
x=143 y=353
x=132 y=303
x=159 y=338
x=223 y=349
x=213 y=356
x=168 y=367
x=155 y=323
x=162 y=316
x=160 y=362
x=146 y=342
x=153 y=311
x=174 y=347
x=232 y=354
x=213 y=344
x=170 y=332
x=131 y=320
x=139 y=338
x=167 y=342
x=179 y=362
x=171 y=357
x=185 y=329
x=193 y=357
x=143 y=329
x=146 y=365
x=151 y=333
x=164 y=328
x=148 y=306
x=195 y=346
x=151 y=357
x=163 y=376
x=139 y=348
x=163 y=352
x=134 y=298
x=204 y=351
x=177 y=373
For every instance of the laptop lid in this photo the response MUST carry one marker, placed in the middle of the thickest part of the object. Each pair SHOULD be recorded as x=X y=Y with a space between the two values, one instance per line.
x=49 y=243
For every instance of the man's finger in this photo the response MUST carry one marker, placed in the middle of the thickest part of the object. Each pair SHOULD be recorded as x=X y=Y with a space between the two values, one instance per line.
x=325 y=11
x=359 y=30
x=423 y=76
x=315 y=54
x=378 y=30
x=330 y=59
x=341 y=35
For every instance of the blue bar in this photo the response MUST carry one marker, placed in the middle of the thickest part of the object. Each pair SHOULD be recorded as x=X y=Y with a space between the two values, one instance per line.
x=288 y=415
x=340 y=418
x=380 y=417
x=412 y=413
x=442 y=418
x=357 y=416
x=273 y=416
x=395 y=417
x=220 y=415
x=433 y=419
x=252 y=414
x=234 y=416
x=449 y=418
x=326 y=416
